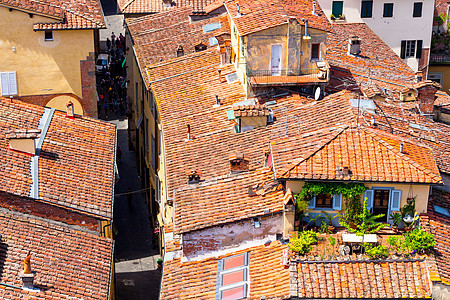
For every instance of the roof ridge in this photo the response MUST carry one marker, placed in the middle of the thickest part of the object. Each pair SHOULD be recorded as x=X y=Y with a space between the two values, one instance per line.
x=340 y=129
x=39 y=2
x=127 y=4
x=403 y=156
x=82 y=16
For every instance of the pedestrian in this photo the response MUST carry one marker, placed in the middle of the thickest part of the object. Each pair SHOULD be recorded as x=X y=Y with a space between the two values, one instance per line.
x=113 y=38
x=108 y=43
x=119 y=154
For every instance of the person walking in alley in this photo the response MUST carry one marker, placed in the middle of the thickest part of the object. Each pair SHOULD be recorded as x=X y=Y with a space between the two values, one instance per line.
x=119 y=154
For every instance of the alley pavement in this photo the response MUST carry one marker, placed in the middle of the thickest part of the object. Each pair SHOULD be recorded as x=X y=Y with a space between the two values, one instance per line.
x=137 y=275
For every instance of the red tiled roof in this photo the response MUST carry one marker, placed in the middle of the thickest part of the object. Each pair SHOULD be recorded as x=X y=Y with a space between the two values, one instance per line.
x=155 y=6
x=257 y=15
x=439 y=226
x=76 y=163
x=364 y=279
x=157 y=37
x=367 y=155
x=197 y=279
x=69 y=262
x=226 y=200
x=72 y=14
x=376 y=60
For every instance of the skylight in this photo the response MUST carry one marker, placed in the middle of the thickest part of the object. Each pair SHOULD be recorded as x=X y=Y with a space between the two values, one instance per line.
x=441 y=210
x=211 y=27
x=232 y=276
x=231 y=77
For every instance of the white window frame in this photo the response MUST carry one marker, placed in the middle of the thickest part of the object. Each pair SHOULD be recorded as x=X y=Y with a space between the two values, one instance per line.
x=48 y=39
x=315 y=59
x=220 y=272
x=8 y=81
x=410 y=48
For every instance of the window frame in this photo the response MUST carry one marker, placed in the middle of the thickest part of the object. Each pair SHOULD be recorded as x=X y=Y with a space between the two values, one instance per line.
x=49 y=39
x=333 y=8
x=417 y=8
x=318 y=52
x=390 y=10
x=366 y=9
x=220 y=288
x=410 y=48
x=10 y=84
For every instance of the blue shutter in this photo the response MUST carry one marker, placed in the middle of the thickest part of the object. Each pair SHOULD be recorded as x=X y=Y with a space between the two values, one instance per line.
x=396 y=197
x=337 y=202
x=369 y=195
x=403 y=50
x=312 y=202
x=419 y=49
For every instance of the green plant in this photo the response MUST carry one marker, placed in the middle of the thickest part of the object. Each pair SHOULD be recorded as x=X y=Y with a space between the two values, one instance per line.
x=378 y=251
x=312 y=220
x=323 y=227
x=396 y=218
x=328 y=217
x=418 y=240
x=332 y=17
x=302 y=244
x=341 y=17
x=301 y=206
x=332 y=240
x=408 y=209
x=396 y=243
x=311 y=188
x=366 y=223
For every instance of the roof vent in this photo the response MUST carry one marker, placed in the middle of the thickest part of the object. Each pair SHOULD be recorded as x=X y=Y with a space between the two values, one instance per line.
x=180 y=51
x=238 y=163
x=27 y=275
x=354 y=45
x=194 y=176
x=70 y=111
x=22 y=140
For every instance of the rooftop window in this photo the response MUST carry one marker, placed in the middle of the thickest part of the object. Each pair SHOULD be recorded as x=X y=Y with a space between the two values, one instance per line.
x=232 y=277
x=441 y=210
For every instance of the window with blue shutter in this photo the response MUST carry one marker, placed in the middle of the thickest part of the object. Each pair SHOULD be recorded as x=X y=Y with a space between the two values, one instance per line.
x=388 y=10
x=369 y=195
x=312 y=202
x=337 y=8
x=366 y=9
x=417 y=11
x=337 y=202
x=396 y=197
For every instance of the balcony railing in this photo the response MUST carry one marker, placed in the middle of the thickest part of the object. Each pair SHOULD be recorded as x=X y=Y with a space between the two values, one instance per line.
x=288 y=77
x=436 y=58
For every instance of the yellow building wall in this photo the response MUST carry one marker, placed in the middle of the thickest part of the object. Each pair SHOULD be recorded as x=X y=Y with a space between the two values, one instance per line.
x=421 y=191
x=445 y=70
x=43 y=67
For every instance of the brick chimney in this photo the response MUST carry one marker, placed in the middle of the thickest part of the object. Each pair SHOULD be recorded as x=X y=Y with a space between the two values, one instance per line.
x=426 y=94
x=22 y=140
x=238 y=163
x=288 y=213
x=194 y=176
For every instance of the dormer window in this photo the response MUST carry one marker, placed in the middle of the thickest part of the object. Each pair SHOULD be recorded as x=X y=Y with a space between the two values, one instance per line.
x=238 y=163
x=200 y=47
x=180 y=51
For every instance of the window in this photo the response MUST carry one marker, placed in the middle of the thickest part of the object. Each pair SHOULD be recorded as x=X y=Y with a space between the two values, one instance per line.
x=436 y=77
x=417 y=11
x=8 y=83
x=411 y=49
x=315 y=51
x=137 y=97
x=326 y=201
x=200 y=47
x=388 y=10
x=383 y=201
x=337 y=8
x=366 y=9
x=48 y=35
x=232 y=277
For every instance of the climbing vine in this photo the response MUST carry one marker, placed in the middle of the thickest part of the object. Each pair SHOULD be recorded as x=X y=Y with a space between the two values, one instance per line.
x=349 y=191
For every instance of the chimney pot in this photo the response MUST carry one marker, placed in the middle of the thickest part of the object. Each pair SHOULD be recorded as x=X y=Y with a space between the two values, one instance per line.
x=70 y=110
x=238 y=163
x=188 y=132
x=217 y=100
x=220 y=74
x=27 y=275
x=401 y=147
x=354 y=45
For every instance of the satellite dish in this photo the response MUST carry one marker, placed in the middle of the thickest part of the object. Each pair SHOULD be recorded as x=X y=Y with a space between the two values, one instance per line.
x=317 y=93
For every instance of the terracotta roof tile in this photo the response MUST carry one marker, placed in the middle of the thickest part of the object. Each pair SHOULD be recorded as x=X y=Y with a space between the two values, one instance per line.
x=155 y=6
x=197 y=279
x=72 y=14
x=364 y=279
x=76 y=163
x=257 y=15
x=69 y=262
x=439 y=225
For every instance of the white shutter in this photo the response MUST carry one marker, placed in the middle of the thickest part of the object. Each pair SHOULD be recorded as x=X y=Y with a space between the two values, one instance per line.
x=337 y=202
x=369 y=195
x=396 y=197
x=5 y=85
x=312 y=202
x=12 y=83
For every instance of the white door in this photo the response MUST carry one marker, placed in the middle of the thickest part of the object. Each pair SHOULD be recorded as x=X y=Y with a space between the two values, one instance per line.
x=275 y=60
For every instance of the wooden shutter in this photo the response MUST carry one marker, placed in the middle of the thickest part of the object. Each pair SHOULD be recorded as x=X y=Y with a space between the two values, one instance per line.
x=403 y=50
x=12 y=83
x=369 y=195
x=312 y=202
x=337 y=8
x=419 y=49
x=396 y=197
x=337 y=202
x=4 y=82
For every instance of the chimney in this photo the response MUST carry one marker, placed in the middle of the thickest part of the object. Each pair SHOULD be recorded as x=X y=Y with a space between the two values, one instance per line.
x=194 y=176
x=314 y=8
x=401 y=147
x=220 y=74
x=426 y=94
x=188 y=132
x=354 y=45
x=27 y=275
x=70 y=112
x=306 y=36
x=22 y=140
x=238 y=163
x=217 y=100
x=288 y=213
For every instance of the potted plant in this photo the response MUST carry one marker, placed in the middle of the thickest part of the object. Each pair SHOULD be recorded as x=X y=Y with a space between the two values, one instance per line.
x=301 y=208
x=313 y=221
x=329 y=219
x=408 y=212
x=396 y=219
x=366 y=222
x=332 y=17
